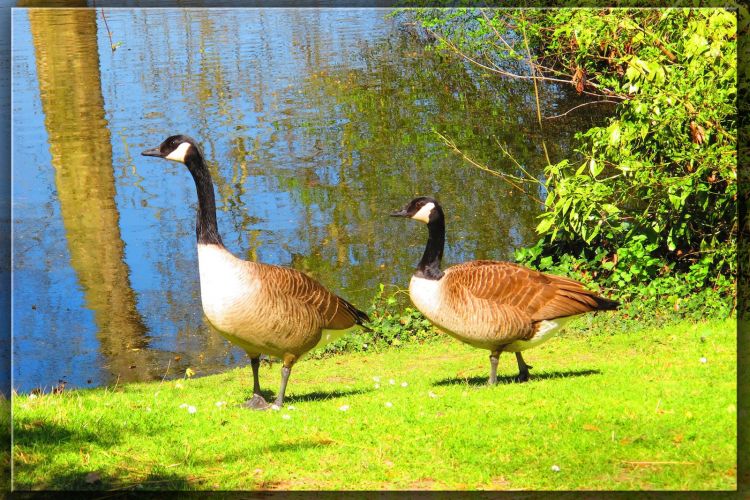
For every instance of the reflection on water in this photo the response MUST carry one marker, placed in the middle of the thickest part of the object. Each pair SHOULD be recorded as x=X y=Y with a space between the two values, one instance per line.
x=315 y=123
x=81 y=155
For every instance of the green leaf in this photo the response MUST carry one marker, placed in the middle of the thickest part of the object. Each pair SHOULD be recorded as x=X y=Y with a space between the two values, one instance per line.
x=614 y=134
x=544 y=225
x=632 y=74
x=595 y=167
x=670 y=242
x=676 y=201
x=610 y=208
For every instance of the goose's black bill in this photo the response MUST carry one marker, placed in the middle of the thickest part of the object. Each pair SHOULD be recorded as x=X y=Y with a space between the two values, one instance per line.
x=153 y=152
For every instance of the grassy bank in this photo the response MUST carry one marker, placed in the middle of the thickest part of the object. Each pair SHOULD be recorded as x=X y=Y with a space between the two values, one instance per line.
x=624 y=411
x=5 y=440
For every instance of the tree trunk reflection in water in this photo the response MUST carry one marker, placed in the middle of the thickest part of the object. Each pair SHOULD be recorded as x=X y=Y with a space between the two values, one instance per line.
x=67 y=62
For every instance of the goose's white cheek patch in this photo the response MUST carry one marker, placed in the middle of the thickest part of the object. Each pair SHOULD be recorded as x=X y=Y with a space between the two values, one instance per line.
x=179 y=153
x=423 y=215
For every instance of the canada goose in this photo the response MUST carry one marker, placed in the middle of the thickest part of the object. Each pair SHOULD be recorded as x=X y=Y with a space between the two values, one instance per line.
x=262 y=308
x=492 y=305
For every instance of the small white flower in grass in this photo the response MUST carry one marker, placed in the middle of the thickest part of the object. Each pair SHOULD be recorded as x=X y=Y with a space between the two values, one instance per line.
x=275 y=407
x=220 y=403
x=404 y=384
x=392 y=382
x=703 y=360
x=344 y=407
x=377 y=386
x=364 y=346
x=290 y=407
x=376 y=379
x=192 y=409
x=555 y=468
x=32 y=396
x=432 y=394
x=184 y=405
x=388 y=404
x=178 y=385
x=286 y=416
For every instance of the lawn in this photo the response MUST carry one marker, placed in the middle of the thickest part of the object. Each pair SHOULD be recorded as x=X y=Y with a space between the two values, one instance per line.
x=654 y=409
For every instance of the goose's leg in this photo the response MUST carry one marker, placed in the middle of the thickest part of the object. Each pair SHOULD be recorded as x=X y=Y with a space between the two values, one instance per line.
x=286 y=370
x=257 y=402
x=523 y=369
x=255 y=364
x=493 y=367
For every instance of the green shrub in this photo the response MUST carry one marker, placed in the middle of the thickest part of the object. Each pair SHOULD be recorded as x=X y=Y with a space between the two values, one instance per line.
x=647 y=204
x=392 y=323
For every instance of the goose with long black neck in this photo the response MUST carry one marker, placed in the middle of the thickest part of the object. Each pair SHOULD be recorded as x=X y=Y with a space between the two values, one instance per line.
x=264 y=309
x=493 y=305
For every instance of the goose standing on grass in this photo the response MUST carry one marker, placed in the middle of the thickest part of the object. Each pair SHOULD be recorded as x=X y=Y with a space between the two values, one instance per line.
x=492 y=305
x=262 y=308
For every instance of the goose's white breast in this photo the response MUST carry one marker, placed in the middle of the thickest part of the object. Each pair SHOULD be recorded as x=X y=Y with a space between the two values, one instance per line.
x=425 y=294
x=224 y=282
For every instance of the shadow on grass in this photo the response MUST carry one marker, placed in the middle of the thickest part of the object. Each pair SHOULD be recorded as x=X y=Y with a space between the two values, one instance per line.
x=270 y=396
x=299 y=445
x=37 y=432
x=511 y=379
x=324 y=395
x=156 y=480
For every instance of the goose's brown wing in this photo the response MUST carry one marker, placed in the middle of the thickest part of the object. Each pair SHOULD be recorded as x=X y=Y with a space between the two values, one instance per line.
x=530 y=293
x=336 y=313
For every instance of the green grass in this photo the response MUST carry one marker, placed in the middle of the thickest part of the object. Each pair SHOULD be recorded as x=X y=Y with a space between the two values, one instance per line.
x=622 y=411
x=5 y=440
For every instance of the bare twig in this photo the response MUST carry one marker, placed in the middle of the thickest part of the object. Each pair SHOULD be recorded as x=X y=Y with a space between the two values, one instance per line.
x=495 y=69
x=488 y=68
x=536 y=92
x=106 y=25
x=531 y=178
x=579 y=106
x=169 y=362
x=659 y=44
x=497 y=34
x=510 y=179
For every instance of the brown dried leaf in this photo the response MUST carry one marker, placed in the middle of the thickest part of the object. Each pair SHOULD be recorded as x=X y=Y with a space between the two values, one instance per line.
x=697 y=133
x=579 y=79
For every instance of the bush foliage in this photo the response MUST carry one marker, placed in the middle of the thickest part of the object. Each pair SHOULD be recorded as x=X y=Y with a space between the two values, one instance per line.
x=647 y=204
x=392 y=323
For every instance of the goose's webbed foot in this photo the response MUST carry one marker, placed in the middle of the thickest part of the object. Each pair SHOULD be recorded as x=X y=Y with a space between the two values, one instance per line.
x=523 y=369
x=256 y=403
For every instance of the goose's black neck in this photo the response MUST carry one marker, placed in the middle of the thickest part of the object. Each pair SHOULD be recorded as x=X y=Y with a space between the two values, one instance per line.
x=206 y=229
x=429 y=266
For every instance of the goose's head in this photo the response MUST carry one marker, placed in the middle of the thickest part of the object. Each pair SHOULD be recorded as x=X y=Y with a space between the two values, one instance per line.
x=175 y=148
x=424 y=209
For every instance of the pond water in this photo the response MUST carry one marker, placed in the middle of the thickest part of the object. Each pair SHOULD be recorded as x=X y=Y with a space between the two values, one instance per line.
x=316 y=123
